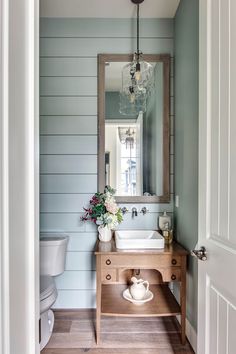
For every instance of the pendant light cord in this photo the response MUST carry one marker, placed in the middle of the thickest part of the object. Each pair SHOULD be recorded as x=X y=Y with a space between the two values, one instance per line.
x=138 y=31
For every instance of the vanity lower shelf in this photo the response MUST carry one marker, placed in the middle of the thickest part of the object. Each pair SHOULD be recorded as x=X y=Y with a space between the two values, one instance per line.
x=162 y=304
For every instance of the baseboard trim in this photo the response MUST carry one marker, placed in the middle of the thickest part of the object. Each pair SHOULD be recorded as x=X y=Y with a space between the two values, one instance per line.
x=191 y=334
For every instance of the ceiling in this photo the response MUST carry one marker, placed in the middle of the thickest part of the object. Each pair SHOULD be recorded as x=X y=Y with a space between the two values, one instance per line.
x=108 y=8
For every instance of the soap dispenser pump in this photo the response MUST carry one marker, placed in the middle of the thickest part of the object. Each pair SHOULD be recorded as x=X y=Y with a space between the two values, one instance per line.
x=163 y=220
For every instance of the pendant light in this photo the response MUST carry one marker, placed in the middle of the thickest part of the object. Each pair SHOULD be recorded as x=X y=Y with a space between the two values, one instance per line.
x=137 y=80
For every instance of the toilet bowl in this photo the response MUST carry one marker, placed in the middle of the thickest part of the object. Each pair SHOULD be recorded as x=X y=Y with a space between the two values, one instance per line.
x=48 y=296
x=48 y=292
x=52 y=263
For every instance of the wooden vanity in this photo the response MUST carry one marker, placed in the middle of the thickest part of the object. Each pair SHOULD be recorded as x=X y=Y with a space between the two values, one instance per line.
x=115 y=269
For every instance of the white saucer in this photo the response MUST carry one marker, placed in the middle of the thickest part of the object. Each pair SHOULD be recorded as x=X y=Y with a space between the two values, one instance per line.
x=148 y=297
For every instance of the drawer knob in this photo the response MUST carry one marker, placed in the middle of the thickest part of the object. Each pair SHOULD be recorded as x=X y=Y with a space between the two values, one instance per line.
x=173 y=276
x=174 y=262
x=108 y=277
x=108 y=261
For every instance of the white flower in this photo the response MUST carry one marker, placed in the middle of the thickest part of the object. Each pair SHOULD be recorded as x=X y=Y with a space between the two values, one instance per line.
x=111 y=207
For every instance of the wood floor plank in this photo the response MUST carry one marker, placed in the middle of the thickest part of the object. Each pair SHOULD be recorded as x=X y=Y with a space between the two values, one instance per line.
x=116 y=351
x=62 y=326
x=123 y=326
x=74 y=333
x=114 y=340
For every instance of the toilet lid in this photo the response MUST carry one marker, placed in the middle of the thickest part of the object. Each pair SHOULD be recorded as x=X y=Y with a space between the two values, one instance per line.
x=47 y=286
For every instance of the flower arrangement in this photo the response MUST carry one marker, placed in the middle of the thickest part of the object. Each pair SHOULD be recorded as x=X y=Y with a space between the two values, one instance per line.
x=103 y=209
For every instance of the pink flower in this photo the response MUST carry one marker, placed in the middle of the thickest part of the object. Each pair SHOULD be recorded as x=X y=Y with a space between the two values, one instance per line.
x=111 y=207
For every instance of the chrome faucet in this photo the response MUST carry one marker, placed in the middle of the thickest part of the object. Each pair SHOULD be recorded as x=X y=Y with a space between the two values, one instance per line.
x=124 y=210
x=144 y=210
x=134 y=212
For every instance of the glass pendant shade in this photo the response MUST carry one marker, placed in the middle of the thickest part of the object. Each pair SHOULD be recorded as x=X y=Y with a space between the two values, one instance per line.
x=137 y=86
x=137 y=80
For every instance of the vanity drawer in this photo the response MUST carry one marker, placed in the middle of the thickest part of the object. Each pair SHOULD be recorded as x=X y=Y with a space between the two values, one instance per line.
x=109 y=275
x=151 y=261
x=172 y=274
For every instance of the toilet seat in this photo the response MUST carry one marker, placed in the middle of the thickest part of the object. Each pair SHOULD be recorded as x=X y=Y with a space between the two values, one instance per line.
x=48 y=292
x=47 y=285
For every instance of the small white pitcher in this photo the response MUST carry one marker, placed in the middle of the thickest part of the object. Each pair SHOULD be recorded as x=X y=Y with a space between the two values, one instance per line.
x=139 y=288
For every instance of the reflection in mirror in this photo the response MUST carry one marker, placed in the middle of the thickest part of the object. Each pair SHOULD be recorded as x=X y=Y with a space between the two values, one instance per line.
x=136 y=145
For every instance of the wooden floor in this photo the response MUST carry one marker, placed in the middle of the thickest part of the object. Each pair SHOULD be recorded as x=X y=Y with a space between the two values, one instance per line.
x=74 y=333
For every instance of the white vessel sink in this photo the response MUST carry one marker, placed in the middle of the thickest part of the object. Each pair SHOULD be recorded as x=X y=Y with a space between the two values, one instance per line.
x=138 y=239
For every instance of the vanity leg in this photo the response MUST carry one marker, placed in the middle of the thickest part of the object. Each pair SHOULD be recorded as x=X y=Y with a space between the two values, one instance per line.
x=183 y=300
x=98 y=299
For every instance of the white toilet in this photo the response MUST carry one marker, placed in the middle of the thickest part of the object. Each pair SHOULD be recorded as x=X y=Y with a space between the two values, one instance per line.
x=52 y=263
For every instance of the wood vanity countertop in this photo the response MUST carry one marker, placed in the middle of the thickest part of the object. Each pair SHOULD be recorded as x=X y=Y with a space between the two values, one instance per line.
x=110 y=248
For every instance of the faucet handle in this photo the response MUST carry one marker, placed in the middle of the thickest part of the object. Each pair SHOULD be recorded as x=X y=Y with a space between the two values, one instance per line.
x=124 y=210
x=144 y=210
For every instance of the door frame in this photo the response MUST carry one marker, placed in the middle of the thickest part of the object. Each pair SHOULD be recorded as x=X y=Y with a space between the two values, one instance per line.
x=19 y=176
x=203 y=182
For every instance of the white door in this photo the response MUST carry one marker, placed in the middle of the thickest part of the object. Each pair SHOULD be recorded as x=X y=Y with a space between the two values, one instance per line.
x=217 y=177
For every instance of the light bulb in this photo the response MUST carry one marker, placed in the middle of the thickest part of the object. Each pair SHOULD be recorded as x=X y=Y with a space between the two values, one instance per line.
x=138 y=72
x=132 y=97
x=138 y=75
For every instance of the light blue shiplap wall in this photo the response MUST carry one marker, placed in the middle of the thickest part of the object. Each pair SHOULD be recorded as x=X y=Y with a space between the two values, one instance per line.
x=68 y=126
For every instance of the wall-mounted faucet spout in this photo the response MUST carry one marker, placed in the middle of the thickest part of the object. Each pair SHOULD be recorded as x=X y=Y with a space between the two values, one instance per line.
x=134 y=212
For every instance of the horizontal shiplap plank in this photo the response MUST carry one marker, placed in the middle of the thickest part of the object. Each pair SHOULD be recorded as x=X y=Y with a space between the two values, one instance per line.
x=76 y=299
x=81 y=241
x=68 y=145
x=76 y=280
x=172 y=86
x=64 y=202
x=172 y=106
x=65 y=222
x=68 y=164
x=85 y=47
x=68 y=67
x=172 y=164
x=68 y=86
x=79 y=27
x=54 y=125
x=172 y=125
x=68 y=106
x=145 y=222
x=76 y=202
x=172 y=145
x=152 y=208
x=61 y=222
x=80 y=261
x=68 y=183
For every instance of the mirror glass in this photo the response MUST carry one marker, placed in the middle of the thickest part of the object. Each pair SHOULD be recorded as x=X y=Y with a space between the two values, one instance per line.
x=136 y=145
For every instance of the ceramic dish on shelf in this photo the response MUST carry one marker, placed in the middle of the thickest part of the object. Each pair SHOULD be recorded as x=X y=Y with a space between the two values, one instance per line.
x=148 y=297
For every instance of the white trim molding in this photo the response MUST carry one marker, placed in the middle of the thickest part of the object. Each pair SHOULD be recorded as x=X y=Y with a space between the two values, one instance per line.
x=191 y=334
x=19 y=177
x=4 y=174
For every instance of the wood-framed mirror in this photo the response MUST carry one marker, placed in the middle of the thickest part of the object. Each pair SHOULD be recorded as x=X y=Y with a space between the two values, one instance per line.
x=140 y=172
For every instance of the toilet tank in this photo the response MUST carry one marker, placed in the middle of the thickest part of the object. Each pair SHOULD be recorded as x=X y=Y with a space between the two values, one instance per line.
x=53 y=254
